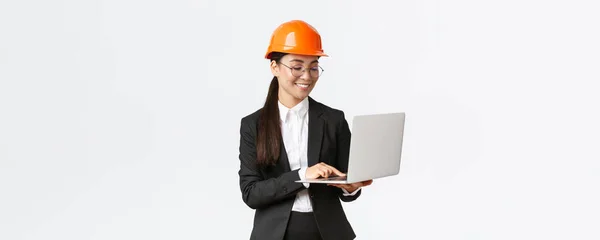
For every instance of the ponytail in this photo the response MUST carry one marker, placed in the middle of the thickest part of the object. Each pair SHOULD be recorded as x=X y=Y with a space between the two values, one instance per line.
x=268 y=142
x=269 y=129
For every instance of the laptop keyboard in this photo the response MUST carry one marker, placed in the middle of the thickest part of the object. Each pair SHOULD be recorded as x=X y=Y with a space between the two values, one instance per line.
x=334 y=178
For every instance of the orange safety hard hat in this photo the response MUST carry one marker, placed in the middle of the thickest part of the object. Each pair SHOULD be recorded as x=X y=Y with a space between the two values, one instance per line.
x=297 y=37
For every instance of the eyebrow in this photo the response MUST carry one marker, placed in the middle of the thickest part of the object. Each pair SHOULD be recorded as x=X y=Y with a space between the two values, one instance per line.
x=298 y=60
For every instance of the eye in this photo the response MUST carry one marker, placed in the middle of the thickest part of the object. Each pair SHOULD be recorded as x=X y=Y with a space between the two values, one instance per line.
x=315 y=69
x=297 y=68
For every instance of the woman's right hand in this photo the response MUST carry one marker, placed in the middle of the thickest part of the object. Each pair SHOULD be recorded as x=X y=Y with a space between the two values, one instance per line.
x=322 y=170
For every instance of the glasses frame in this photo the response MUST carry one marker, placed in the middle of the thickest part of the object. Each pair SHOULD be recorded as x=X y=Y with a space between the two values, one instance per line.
x=303 y=70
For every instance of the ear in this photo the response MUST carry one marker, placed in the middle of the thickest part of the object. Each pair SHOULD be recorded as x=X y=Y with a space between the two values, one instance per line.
x=274 y=69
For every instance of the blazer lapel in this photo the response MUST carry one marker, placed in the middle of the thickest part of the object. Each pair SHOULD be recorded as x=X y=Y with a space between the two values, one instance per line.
x=315 y=132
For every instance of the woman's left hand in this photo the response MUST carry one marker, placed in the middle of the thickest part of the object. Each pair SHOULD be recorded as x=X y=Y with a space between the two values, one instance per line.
x=352 y=186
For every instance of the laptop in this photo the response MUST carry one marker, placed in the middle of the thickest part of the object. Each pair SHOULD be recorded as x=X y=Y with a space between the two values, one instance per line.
x=375 y=149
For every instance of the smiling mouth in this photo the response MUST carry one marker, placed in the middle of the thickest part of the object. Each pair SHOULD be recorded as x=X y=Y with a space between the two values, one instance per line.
x=303 y=86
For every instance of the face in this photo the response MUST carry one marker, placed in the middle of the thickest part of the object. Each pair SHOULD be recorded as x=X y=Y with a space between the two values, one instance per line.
x=297 y=75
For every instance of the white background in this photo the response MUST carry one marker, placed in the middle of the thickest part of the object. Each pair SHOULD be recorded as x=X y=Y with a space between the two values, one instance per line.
x=120 y=119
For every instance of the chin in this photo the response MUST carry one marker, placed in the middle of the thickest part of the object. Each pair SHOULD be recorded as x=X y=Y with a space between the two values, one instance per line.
x=302 y=96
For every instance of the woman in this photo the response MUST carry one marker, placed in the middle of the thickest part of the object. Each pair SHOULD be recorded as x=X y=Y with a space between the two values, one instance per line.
x=294 y=137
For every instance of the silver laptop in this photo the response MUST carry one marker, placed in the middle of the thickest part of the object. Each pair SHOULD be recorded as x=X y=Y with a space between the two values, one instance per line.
x=375 y=149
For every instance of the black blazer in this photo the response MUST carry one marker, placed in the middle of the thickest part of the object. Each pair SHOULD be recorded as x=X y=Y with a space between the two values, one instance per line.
x=271 y=191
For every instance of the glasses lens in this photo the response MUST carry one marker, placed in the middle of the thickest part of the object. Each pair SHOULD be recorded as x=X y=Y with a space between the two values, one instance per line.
x=314 y=71
x=297 y=71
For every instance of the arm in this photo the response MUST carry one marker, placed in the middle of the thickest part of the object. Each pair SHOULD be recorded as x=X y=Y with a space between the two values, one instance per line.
x=258 y=192
x=343 y=153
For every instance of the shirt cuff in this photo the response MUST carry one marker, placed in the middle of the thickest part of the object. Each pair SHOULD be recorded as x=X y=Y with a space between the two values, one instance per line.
x=302 y=173
x=346 y=193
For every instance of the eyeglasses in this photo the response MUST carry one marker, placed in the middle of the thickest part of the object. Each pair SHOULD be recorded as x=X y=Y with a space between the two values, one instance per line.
x=298 y=71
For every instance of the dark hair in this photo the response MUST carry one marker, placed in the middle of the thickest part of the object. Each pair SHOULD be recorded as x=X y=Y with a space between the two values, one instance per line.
x=268 y=141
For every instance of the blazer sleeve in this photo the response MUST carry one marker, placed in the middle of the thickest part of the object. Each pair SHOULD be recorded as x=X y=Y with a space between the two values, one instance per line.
x=343 y=153
x=258 y=192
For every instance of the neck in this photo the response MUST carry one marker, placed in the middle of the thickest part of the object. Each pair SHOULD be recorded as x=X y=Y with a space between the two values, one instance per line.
x=288 y=100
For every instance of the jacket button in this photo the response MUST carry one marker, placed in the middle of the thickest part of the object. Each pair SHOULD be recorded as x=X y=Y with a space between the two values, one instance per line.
x=284 y=189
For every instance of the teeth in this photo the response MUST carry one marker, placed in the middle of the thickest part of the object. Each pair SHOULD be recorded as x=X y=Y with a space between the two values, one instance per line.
x=302 y=85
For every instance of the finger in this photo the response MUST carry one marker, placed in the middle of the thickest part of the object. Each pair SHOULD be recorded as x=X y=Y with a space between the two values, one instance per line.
x=363 y=183
x=321 y=172
x=335 y=171
x=328 y=170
